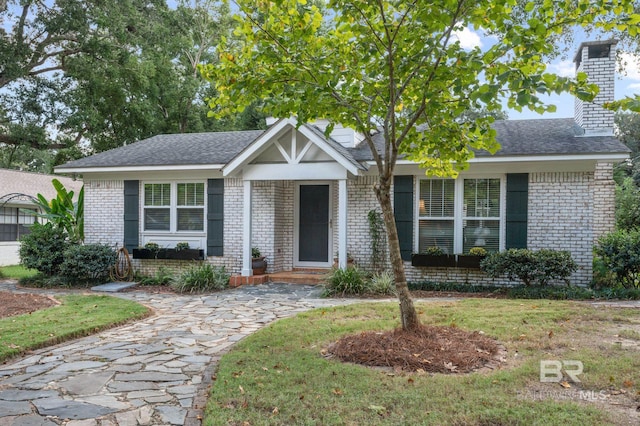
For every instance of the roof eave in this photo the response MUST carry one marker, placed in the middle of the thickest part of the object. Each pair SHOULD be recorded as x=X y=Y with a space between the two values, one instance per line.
x=150 y=168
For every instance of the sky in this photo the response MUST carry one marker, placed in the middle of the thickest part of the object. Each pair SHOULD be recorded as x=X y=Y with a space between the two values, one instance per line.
x=627 y=84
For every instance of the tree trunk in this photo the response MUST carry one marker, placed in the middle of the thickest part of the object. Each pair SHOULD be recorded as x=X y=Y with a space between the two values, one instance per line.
x=408 y=314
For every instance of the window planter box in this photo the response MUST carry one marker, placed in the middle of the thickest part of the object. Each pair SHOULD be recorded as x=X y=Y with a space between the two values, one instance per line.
x=469 y=261
x=433 y=261
x=169 y=253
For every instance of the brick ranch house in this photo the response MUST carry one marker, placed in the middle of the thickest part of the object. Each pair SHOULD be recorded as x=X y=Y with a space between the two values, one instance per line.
x=303 y=198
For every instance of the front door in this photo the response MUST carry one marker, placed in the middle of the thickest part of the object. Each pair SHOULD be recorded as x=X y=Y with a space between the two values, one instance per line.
x=313 y=225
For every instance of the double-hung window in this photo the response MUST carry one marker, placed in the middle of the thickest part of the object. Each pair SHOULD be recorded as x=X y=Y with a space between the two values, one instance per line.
x=456 y=215
x=15 y=222
x=174 y=207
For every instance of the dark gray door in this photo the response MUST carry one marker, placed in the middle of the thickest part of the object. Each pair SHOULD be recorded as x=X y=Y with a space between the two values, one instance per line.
x=313 y=232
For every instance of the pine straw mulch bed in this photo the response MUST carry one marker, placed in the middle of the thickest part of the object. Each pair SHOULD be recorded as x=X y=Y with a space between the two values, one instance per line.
x=20 y=303
x=429 y=349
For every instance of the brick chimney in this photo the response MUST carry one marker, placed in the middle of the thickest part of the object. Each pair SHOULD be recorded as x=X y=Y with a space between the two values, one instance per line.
x=598 y=60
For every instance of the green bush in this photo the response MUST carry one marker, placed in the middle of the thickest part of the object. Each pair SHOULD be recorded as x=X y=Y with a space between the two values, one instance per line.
x=87 y=263
x=627 y=205
x=537 y=292
x=163 y=276
x=202 y=278
x=618 y=259
x=383 y=283
x=43 y=248
x=348 y=281
x=532 y=267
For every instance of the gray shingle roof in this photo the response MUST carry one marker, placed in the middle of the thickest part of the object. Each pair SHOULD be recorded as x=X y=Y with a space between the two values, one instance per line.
x=555 y=136
x=549 y=137
x=516 y=137
x=175 y=149
x=32 y=184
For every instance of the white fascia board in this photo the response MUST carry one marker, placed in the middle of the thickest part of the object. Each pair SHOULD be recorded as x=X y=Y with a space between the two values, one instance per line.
x=253 y=149
x=121 y=169
x=535 y=158
x=306 y=171
x=322 y=144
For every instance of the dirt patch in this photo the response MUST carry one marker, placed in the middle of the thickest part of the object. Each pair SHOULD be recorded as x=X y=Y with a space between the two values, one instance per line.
x=428 y=349
x=18 y=303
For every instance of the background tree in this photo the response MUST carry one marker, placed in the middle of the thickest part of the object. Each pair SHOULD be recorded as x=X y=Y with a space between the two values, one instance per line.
x=395 y=67
x=86 y=76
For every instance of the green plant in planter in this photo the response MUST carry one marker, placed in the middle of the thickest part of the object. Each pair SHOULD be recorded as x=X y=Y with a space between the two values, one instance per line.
x=433 y=251
x=259 y=262
x=477 y=251
x=152 y=246
x=183 y=245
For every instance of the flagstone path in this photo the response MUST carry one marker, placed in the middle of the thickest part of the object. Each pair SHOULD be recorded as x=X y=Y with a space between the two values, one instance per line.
x=152 y=372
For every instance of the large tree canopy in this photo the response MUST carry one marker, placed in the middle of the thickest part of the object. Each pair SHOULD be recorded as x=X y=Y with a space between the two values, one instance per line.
x=397 y=67
x=99 y=74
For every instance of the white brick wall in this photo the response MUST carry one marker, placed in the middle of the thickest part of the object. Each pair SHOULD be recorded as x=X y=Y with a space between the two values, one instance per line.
x=591 y=116
x=567 y=211
x=561 y=217
x=104 y=212
x=604 y=200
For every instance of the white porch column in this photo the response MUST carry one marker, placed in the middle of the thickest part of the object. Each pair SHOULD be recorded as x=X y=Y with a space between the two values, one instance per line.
x=247 y=270
x=342 y=223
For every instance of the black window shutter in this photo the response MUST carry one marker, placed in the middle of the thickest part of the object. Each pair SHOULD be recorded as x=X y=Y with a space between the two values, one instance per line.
x=131 y=214
x=403 y=211
x=215 y=217
x=517 y=210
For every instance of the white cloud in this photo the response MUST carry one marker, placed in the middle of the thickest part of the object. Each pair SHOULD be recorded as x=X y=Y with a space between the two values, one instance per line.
x=564 y=68
x=631 y=66
x=634 y=86
x=468 y=39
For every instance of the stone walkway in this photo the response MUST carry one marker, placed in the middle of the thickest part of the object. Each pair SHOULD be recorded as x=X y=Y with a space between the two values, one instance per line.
x=152 y=372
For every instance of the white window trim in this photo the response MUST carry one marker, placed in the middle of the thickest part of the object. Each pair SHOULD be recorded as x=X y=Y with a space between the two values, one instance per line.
x=173 y=209
x=458 y=210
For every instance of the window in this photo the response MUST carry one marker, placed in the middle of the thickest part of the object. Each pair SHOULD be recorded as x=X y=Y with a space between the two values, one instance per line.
x=174 y=207
x=15 y=222
x=457 y=215
x=437 y=214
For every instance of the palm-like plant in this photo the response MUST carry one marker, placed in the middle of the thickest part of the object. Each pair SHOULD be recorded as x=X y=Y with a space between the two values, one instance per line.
x=63 y=212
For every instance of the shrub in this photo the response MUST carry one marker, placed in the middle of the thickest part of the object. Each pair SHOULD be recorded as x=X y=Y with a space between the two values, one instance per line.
x=345 y=281
x=524 y=292
x=87 y=263
x=618 y=254
x=163 y=276
x=627 y=205
x=43 y=248
x=532 y=267
x=202 y=278
x=383 y=283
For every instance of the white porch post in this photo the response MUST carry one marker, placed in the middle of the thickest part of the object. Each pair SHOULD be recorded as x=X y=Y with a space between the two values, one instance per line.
x=247 y=270
x=342 y=223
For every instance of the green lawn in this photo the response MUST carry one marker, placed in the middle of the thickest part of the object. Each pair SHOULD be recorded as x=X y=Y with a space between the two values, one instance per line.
x=278 y=376
x=77 y=316
x=16 y=272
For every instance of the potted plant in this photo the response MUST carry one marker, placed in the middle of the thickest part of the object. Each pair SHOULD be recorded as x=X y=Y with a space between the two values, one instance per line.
x=433 y=257
x=258 y=262
x=473 y=259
